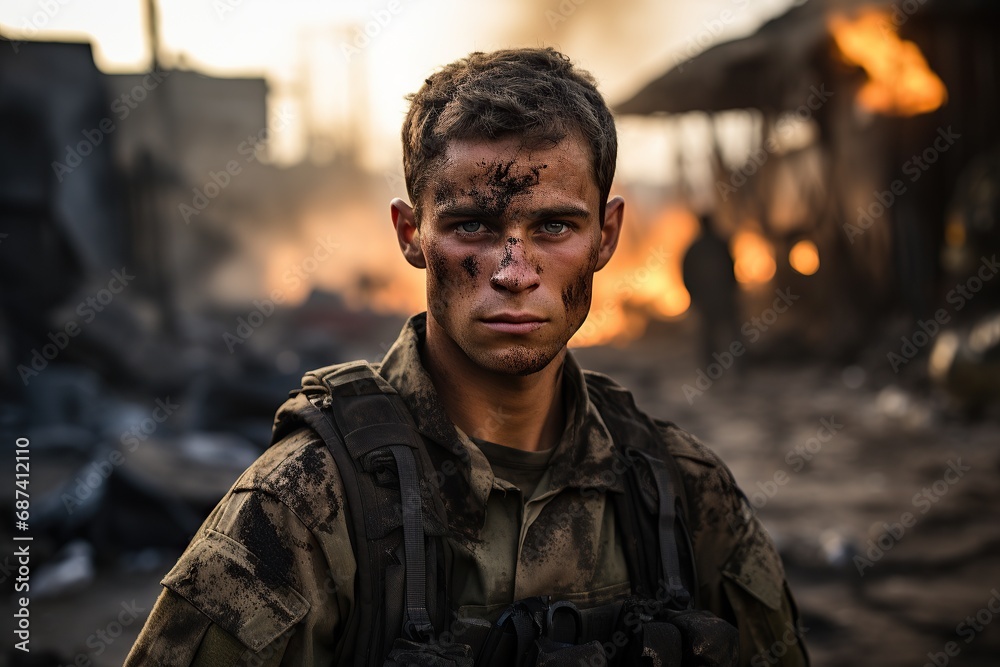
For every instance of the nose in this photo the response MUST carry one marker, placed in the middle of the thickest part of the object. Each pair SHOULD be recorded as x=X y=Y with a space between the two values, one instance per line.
x=515 y=273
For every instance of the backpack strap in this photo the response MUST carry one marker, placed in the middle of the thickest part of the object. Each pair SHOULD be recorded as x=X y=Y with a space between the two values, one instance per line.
x=370 y=434
x=651 y=513
x=667 y=530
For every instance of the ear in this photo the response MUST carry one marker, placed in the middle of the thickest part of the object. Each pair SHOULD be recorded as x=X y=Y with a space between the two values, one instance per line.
x=614 y=215
x=407 y=232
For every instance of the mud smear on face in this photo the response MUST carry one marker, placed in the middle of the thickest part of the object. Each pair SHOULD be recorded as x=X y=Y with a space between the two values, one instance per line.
x=508 y=252
x=576 y=296
x=508 y=257
x=471 y=266
x=445 y=193
x=439 y=280
x=496 y=188
x=441 y=192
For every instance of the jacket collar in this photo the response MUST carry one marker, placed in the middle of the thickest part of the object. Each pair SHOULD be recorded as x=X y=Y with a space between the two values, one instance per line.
x=582 y=458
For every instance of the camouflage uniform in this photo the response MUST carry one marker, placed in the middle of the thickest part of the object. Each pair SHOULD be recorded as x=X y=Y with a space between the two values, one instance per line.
x=268 y=579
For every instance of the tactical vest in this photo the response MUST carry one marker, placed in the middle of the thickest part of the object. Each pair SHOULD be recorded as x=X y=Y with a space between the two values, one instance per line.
x=396 y=522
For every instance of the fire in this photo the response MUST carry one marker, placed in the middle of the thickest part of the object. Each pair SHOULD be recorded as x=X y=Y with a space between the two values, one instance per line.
x=363 y=265
x=753 y=258
x=642 y=282
x=900 y=82
x=804 y=257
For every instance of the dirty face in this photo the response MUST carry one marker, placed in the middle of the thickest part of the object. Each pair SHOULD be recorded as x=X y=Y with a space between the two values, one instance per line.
x=511 y=236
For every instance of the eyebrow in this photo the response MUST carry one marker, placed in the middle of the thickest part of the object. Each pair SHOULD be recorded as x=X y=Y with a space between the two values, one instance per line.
x=458 y=210
x=561 y=211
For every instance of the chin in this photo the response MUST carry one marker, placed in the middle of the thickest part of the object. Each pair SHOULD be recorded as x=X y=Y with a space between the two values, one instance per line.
x=519 y=360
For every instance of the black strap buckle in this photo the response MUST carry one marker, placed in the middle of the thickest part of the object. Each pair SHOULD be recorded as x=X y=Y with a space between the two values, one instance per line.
x=564 y=623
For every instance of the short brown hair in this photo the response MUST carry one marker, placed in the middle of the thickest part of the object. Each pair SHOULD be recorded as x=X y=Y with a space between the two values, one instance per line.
x=536 y=94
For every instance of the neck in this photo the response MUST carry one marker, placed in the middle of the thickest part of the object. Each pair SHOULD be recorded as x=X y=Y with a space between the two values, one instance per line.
x=523 y=412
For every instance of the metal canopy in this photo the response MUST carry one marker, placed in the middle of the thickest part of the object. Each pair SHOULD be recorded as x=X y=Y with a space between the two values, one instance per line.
x=770 y=70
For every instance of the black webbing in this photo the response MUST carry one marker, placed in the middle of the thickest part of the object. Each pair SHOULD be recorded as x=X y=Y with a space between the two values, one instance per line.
x=525 y=630
x=417 y=624
x=629 y=509
x=374 y=421
x=668 y=540
x=634 y=431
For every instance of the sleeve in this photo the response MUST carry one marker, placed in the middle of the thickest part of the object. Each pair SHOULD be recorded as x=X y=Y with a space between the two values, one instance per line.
x=740 y=574
x=177 y=633
x=752 y=590
x=254 y=587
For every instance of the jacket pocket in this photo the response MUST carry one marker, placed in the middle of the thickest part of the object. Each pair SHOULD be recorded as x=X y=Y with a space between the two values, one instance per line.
x=236 y=590
x=755 y=567
x=753 y=581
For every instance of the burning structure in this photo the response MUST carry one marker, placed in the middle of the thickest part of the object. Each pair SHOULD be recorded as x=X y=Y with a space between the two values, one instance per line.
x=865 y=125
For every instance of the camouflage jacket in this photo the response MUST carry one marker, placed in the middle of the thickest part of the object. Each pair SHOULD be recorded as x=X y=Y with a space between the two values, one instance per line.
x=269 y=577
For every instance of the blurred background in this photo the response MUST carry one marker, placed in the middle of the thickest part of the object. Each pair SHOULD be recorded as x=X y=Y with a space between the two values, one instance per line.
x=194 y=212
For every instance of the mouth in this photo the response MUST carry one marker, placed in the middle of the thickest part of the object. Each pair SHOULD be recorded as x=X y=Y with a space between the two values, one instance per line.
x=514 y=323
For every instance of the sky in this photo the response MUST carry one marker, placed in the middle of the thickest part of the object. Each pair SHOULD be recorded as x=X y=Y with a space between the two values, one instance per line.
x=345 y=66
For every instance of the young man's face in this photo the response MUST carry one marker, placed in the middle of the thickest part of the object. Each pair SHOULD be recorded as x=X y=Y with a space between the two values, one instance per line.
x=510 y=237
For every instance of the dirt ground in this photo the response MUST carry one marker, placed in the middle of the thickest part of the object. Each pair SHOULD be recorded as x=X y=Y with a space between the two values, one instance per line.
x=827 y=457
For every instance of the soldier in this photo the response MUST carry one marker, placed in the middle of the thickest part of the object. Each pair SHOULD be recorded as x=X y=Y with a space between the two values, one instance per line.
x=477 y=498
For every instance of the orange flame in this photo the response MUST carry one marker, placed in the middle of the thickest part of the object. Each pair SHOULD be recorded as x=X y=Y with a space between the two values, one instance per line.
x=804 y=257
x=642 y=282
x=362 y=267
x=753 y=258
x=900 y=82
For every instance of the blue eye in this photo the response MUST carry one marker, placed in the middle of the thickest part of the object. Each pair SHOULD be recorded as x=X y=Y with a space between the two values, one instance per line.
x=470 y=227
x=555 y=227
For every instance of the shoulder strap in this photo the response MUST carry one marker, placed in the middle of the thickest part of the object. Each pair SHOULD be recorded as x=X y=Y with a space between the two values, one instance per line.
x=668 y=526
x=370 y=433
x=652 y=511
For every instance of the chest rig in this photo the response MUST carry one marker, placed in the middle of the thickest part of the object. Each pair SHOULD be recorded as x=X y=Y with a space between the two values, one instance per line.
x=397 y=523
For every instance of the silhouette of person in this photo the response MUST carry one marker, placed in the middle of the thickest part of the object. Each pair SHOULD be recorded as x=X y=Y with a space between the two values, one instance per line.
x=711 y=281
